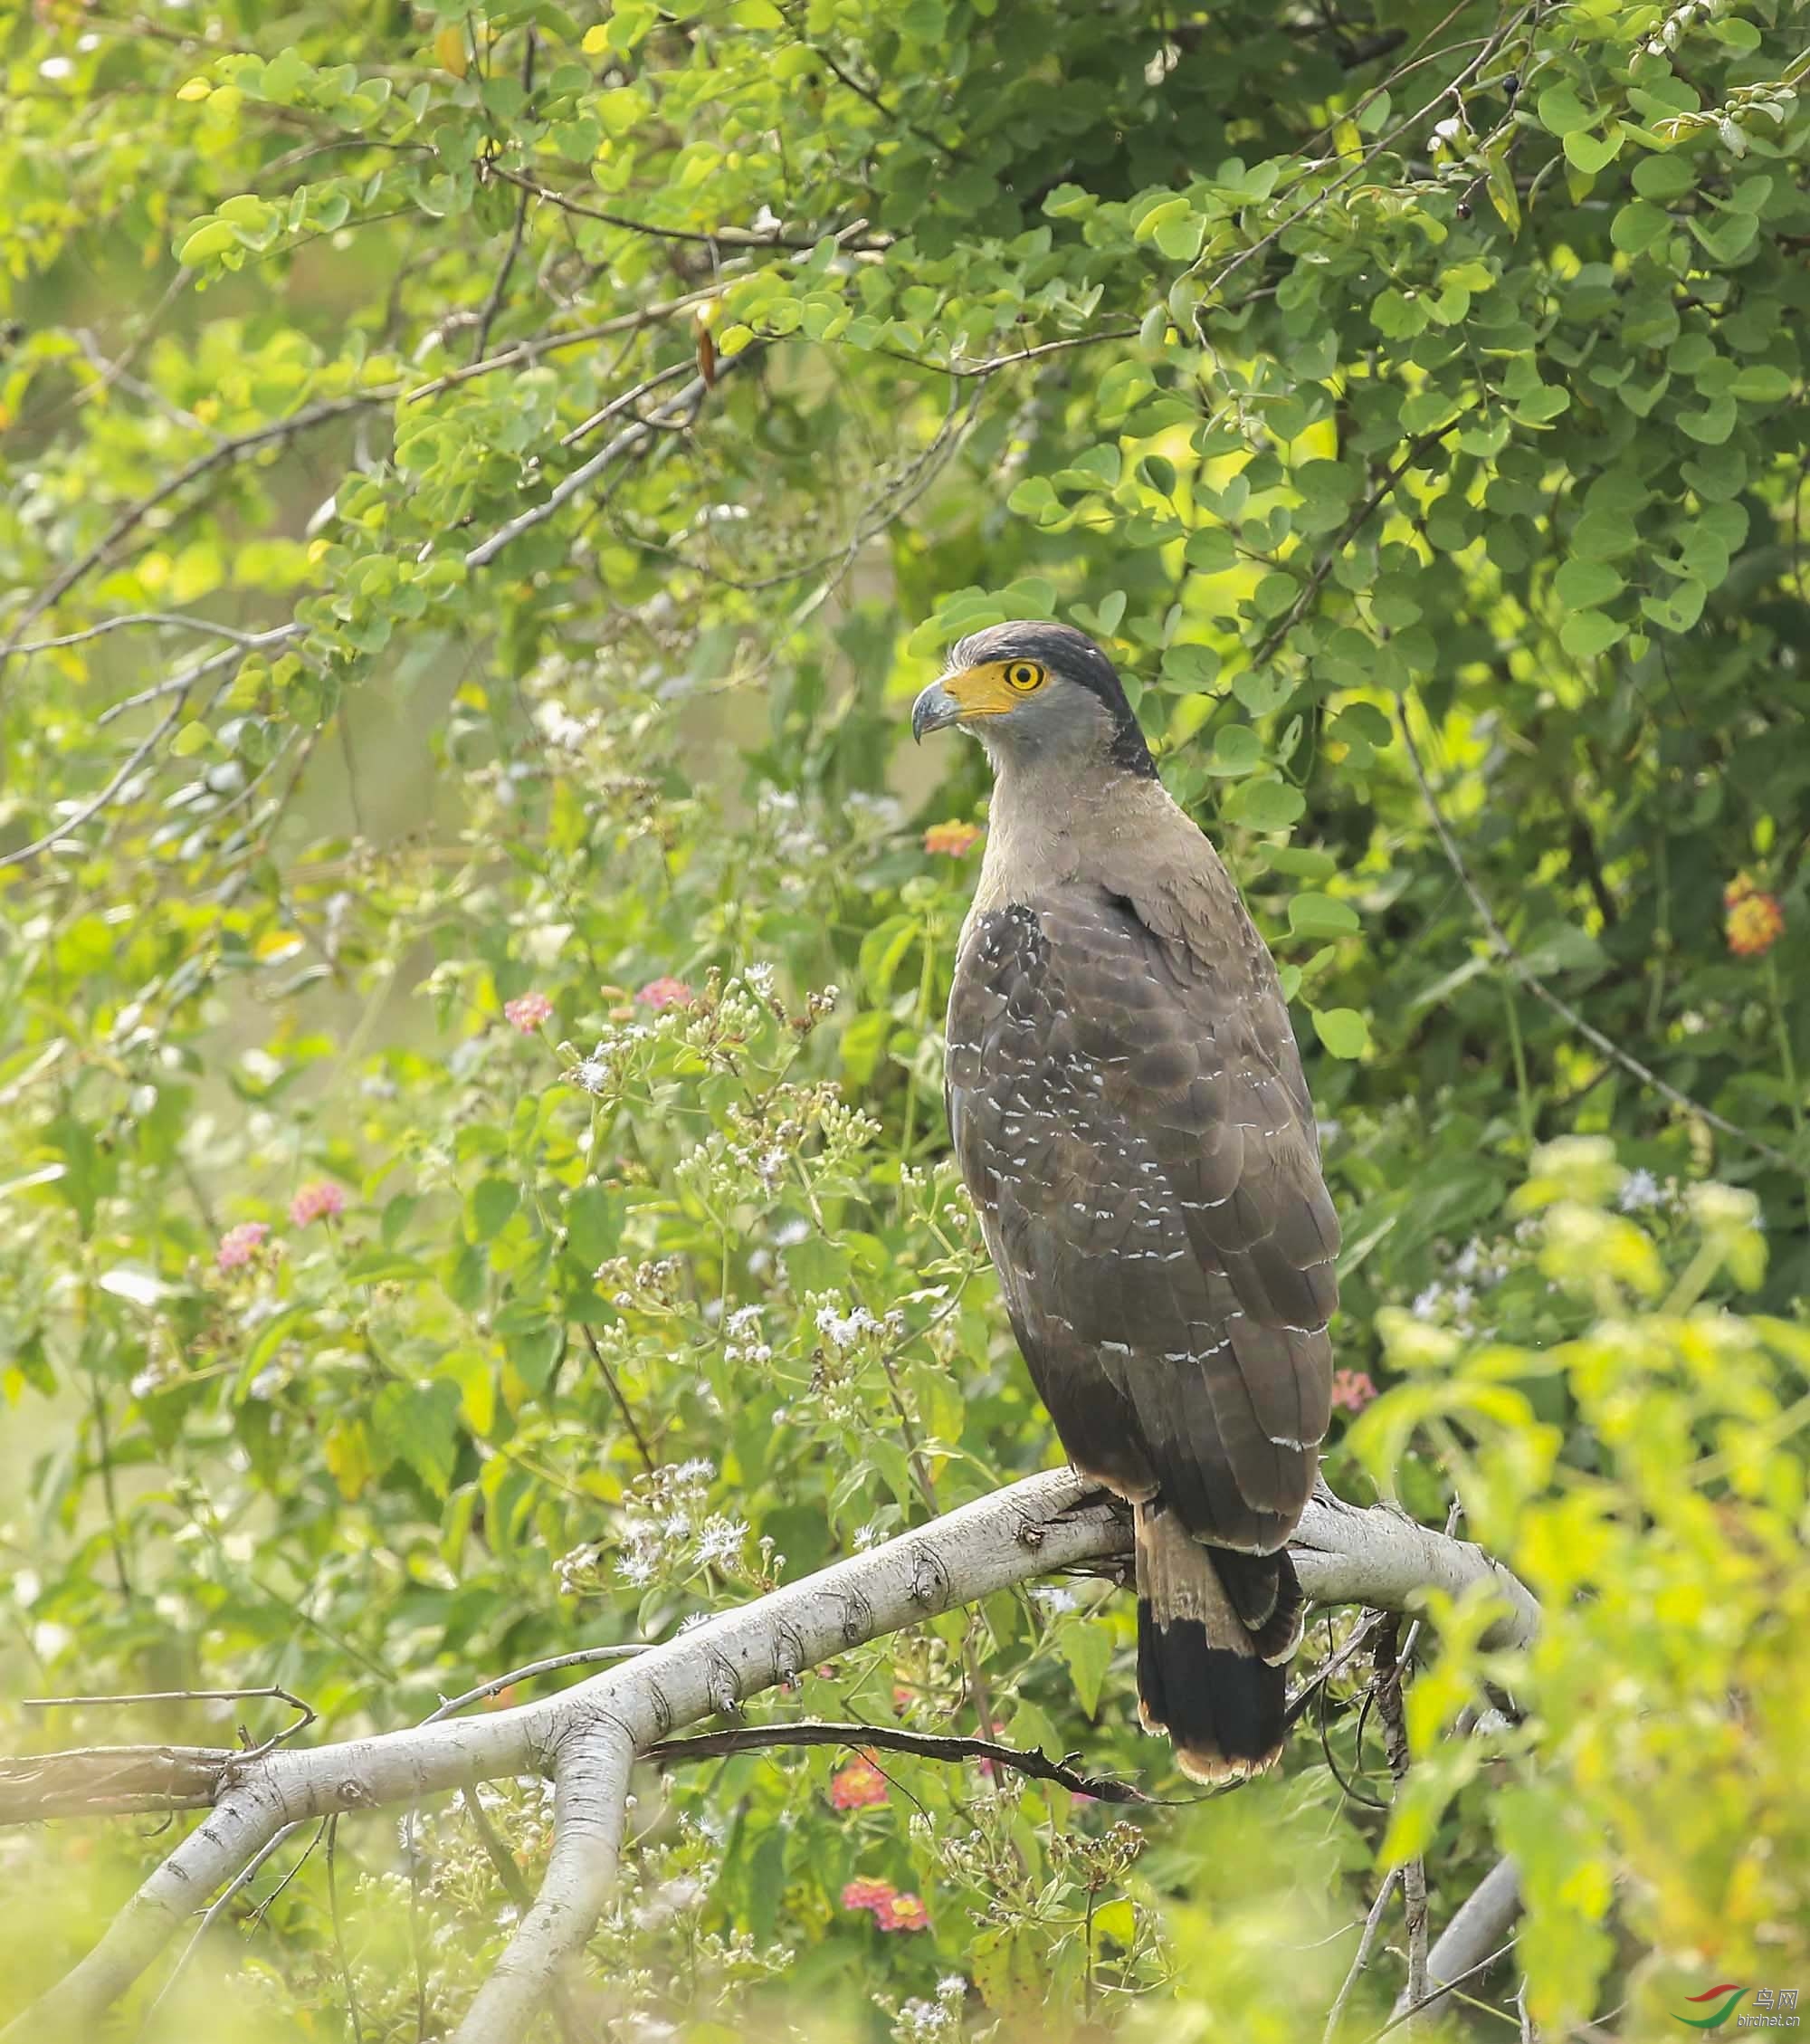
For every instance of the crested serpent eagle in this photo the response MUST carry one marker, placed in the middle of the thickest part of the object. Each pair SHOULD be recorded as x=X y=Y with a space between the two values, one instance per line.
x=1128 y=1107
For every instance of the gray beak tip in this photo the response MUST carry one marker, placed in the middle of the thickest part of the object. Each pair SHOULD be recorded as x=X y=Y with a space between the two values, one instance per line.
x=934 y=709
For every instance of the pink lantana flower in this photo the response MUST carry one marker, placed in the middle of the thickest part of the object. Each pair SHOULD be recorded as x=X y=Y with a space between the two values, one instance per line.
x=903 y=1913
x=527 y=1012
x=1352 y=1390
x=239 y=1245
x=318 y=1200
x=865 y=1892
x=858 y=1786
x=665 y=992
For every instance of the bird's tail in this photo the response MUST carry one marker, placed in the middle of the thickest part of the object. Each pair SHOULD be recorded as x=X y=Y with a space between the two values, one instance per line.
x=1214 y=1626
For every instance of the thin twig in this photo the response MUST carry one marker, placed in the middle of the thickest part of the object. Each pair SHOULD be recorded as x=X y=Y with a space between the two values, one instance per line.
x=493 y=304
x=623 y=1406
x=134 y=760
x=1322 y=1675
x=583 y=1657
x=1373 y=1923
x=239 y=1880
x=310 y=1715
x=681 y=409
x=249 y=642
x=136 y=512
x=1444 y=1987
x=174 y=618
x=925 y=1745
x=617 y=405
x=713 y=237
x=1390 y=1665
x=1538 y=988
x=352 y=2016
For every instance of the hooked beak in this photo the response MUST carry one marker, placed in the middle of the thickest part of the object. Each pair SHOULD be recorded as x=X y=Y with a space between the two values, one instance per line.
x=960 y=698
x=934 y=710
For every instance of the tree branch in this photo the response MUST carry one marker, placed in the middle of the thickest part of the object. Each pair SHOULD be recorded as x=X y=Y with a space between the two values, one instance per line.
x=585 y=1735
x=590 y=1813
x=1475 y=1933
x=1390 y=1665
x=887 y=1738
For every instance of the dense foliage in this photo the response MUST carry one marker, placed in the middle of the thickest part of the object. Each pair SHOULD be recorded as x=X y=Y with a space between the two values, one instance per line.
x=479 y=493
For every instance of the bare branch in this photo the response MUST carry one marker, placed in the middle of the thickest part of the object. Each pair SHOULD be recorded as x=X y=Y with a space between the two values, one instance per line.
x=1470 y=1942
x=676 y=411
x=240 y=1881
x=1390 y=1665
x=585 y=1734
x=175 y=619
x=713 y=237
x=887 y=1738
x=140 y=509
x=1373 y=1925
x=590 y=1813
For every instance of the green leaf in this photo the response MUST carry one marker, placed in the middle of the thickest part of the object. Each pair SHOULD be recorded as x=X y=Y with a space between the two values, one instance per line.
x=1085 y=1645
x=1190 y=667
x=1320 y=916
x=1584 y=583
x=1343 y=1031
x=1561 y=111
x=493 y=1204
x=214 y=237
x=418 y=1423
x=1265 y=804
x=1236 y=749
x=1210 y=549
x=1592 y=153
x=1587 y=633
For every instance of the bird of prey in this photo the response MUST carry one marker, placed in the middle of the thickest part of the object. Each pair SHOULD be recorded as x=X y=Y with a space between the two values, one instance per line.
x=1128 y=1107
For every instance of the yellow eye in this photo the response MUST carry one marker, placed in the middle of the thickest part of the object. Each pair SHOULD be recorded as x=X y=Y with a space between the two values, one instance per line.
x=1025 y=675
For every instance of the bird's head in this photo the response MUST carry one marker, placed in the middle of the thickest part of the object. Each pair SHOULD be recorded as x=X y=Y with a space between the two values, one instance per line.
x=1029 y=690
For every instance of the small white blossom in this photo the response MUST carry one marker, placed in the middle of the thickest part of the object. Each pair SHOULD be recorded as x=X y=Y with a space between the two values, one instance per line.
x=721 y=1541
x=1639 y=1190
x=843 y=1330
x=1427 y=1304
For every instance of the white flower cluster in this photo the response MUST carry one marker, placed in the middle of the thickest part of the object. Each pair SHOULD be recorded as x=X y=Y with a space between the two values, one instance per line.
x=1640 y=1191
x=607 y=1065
x=742 y=1341
x=665 y=1535
x=923 y=2022
x=847 y=1330
x=794 y=843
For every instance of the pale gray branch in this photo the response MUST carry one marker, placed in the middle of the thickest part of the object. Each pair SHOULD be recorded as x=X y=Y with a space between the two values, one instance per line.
x=1044 y=1522
x=590 y=1811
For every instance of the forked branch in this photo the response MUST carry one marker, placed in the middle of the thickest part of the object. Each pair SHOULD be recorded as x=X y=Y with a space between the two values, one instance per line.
x=587 y=1737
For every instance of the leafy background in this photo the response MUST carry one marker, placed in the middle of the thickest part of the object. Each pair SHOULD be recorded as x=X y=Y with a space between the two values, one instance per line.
x=480 y=492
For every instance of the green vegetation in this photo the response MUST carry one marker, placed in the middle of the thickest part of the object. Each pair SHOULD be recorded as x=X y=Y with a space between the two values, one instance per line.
x=479 y=494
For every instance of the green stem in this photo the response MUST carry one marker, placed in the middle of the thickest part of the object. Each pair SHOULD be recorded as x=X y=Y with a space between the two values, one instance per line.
x=1794 y=1090
x=1523 y=1097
